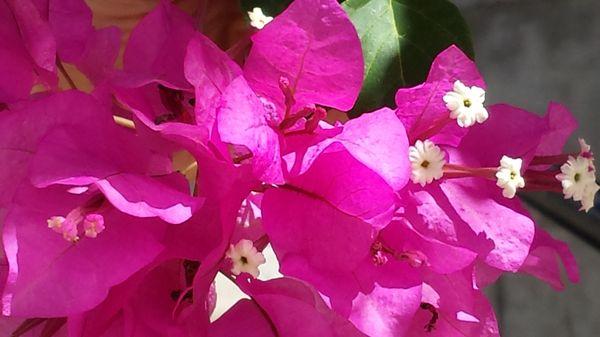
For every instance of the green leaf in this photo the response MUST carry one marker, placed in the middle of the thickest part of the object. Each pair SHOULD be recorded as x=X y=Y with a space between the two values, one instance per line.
x=400 y=39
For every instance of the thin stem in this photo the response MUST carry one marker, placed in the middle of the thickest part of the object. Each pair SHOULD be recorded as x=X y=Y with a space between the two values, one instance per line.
x=128 y=123
x=431 y=131
x=189 y=168
x=64 y=72
x=240 y=159
x=459 y=171
x=551 y=160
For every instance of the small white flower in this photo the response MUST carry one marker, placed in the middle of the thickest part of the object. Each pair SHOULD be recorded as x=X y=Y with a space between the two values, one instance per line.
x=509 y=176
x=258 y=19
x=576 y=174
x=427 y=162
x=589 y=194
x=585 y=148
x=245 y=258
x=466 y=104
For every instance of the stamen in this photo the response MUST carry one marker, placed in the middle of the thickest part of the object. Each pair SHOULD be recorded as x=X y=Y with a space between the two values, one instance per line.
x=288 y=93
x=380 y=253
x=434 y=316
x=93 y=223
x=55 y=223
x=313 y=116
x=414 y=257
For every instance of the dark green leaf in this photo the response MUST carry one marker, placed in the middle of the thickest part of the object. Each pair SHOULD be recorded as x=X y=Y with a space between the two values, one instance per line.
x=400 y=39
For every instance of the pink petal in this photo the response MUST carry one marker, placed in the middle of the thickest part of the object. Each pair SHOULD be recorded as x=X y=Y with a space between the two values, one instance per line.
x=242 y=120
x=244 y=318
x=421 y=106
x=290 y=304
x=52 y=277
x=145 y=197
x=210 y=71
x=385 y=312
x=314 y=45
x=502 y=220
x=157 y=46
x=543 y=260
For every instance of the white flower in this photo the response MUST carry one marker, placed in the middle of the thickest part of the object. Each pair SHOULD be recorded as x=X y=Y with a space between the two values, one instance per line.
x=466 y=104
x=245 y=258
x=585 y=148
x=578 y=179
x=509 y=176
x=258 y=19
x=427 y=162
x=576 y=174
x=587 y=202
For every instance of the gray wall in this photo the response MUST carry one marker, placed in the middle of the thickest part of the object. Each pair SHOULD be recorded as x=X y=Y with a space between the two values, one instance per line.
x=532 y=52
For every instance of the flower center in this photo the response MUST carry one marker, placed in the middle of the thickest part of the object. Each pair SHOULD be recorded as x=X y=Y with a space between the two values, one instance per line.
x=87 y=214
x=577 y=177
x=467 y=103
x=425 y=164
x=244 y=260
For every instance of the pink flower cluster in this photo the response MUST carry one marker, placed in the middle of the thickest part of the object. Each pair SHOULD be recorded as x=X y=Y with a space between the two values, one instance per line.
x=390 y=224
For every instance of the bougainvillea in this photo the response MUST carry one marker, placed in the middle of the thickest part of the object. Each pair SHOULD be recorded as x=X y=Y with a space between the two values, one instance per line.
x=121 y=202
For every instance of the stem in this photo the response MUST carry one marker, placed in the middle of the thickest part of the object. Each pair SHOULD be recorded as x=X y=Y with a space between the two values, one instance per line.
x=551 y=160
x=262 y=188
x=128 y=123
x=27 y=325
x=240 y=159
x=189 y=168
x=64 y=72
x=435 y=127
x=459 y=171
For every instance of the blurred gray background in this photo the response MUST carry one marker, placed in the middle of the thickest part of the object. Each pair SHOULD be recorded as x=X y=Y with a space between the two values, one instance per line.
x=531 y=52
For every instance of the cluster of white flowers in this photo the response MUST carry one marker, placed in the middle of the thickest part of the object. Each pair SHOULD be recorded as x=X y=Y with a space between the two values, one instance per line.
x=466 y=105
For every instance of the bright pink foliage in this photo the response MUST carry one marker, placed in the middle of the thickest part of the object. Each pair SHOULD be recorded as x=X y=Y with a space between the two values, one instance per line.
x=102 y=236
